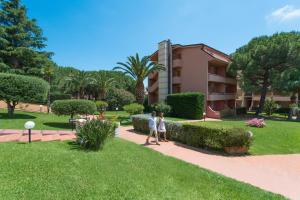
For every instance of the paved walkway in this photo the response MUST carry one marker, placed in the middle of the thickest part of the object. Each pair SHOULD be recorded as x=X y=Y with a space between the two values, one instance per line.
x=275 y=173
x=10 y=135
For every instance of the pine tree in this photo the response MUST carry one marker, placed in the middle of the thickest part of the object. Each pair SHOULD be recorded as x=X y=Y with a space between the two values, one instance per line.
x=21 y=40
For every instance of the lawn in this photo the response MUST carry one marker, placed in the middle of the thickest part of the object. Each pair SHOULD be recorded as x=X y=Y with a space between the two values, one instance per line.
x=123 y=170
x=278 y=137
x=45 y=121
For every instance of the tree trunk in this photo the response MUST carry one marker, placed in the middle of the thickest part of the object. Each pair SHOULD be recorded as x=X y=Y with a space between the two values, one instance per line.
x=11 y=108
x=49 y=97
x=139 y=92
x=263 y=94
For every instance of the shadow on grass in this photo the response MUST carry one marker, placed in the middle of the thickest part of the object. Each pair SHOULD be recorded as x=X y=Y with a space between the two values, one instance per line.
x=16 y=116
x=60 y=125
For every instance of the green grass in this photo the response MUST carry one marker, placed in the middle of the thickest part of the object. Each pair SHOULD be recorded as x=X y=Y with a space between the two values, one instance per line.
x=123 y=170
x=278 y=137
x=45 y=121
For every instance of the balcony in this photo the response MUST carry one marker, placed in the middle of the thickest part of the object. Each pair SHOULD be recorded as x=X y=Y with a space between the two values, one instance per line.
x=221 y=96
x=177 y=63
x=153 y=87
x=221 y=79
x=176 y=80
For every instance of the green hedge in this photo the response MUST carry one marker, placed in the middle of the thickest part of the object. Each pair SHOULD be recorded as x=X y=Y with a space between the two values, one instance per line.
x=186 y=105
x=20 y=88
x=198 y=135
x=73 y=107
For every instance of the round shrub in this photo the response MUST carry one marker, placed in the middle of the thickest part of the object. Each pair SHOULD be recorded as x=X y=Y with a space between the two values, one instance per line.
x=18 y=88
x=161 y=108
x=93 y=134
x=101 y=106
x=134 y=108
x=117 y=98
x=73 y=107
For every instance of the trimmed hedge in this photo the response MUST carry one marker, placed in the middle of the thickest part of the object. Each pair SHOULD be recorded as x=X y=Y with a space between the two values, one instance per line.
x=73 y=107
x=198 y=135
x=188 y=105
x=20 y=88
x=283 y=110
x=134 y=108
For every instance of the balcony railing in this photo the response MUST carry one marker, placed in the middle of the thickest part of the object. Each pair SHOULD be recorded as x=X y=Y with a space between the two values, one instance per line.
x=221 y=96
x=220 y=79
x=177 y=63
x=153 y=87
x=176 y=80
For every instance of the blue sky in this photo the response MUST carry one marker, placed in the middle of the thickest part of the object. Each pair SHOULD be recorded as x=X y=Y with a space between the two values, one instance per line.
x=95 y=34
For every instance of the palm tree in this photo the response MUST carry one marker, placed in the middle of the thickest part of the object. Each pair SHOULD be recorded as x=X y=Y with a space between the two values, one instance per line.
x=77 y=82
x=139 y=69
x=48 y=72
x=103 y=83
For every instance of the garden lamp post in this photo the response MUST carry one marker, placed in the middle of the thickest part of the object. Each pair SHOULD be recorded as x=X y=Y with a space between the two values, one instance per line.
x=29 y=125
x=204 y=115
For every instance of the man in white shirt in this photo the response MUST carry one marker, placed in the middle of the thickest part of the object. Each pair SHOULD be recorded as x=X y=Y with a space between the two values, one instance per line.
x=152 y=123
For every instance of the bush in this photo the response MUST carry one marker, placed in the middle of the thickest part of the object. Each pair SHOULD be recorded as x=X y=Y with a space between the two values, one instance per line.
x=198 y=135
x=282 y=110
x=241 y=111
x=117 y=98
x=18 y=88
x=270 y=106
x=186 y=105
x=59 y=96
x=101 y=106
x=134 y=108
x=73 y=107
x=161 y=108
x=93 y=134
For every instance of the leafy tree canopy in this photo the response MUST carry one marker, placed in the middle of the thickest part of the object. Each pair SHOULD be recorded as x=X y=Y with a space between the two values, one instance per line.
x=18 y=88
x=21 y=40
x=259 y=63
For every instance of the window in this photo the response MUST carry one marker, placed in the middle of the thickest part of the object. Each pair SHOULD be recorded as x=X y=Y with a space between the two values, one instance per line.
x=176 y=72
x=176 y=88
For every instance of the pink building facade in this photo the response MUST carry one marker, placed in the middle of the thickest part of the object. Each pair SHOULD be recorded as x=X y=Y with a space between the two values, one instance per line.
x=193 y=68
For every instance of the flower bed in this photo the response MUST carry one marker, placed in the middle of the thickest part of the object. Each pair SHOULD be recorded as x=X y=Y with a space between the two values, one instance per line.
x=200 y=136
x=255 y=122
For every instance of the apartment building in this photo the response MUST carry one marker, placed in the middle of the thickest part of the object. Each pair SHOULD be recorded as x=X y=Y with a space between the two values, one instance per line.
x=193 y=68
x=251 y=100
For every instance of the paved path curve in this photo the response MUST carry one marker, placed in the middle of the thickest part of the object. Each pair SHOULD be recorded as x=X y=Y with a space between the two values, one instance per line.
x=11 y=135
x=275 y=173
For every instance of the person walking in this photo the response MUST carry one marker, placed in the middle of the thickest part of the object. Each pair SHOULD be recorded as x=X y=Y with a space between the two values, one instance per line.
x=162 y=127
x=152 y=123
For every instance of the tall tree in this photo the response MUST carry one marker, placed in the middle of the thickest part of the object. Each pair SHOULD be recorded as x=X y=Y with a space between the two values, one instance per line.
x=48 y=73
x=21 y=40
x=289 y=81
x=103 y=83
x=139 y=69
x=258 y=63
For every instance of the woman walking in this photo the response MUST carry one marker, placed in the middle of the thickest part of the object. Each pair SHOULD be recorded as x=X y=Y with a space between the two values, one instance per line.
x=162 y=127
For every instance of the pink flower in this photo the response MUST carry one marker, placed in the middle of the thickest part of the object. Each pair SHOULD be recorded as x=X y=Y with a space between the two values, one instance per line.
x=255 y=122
